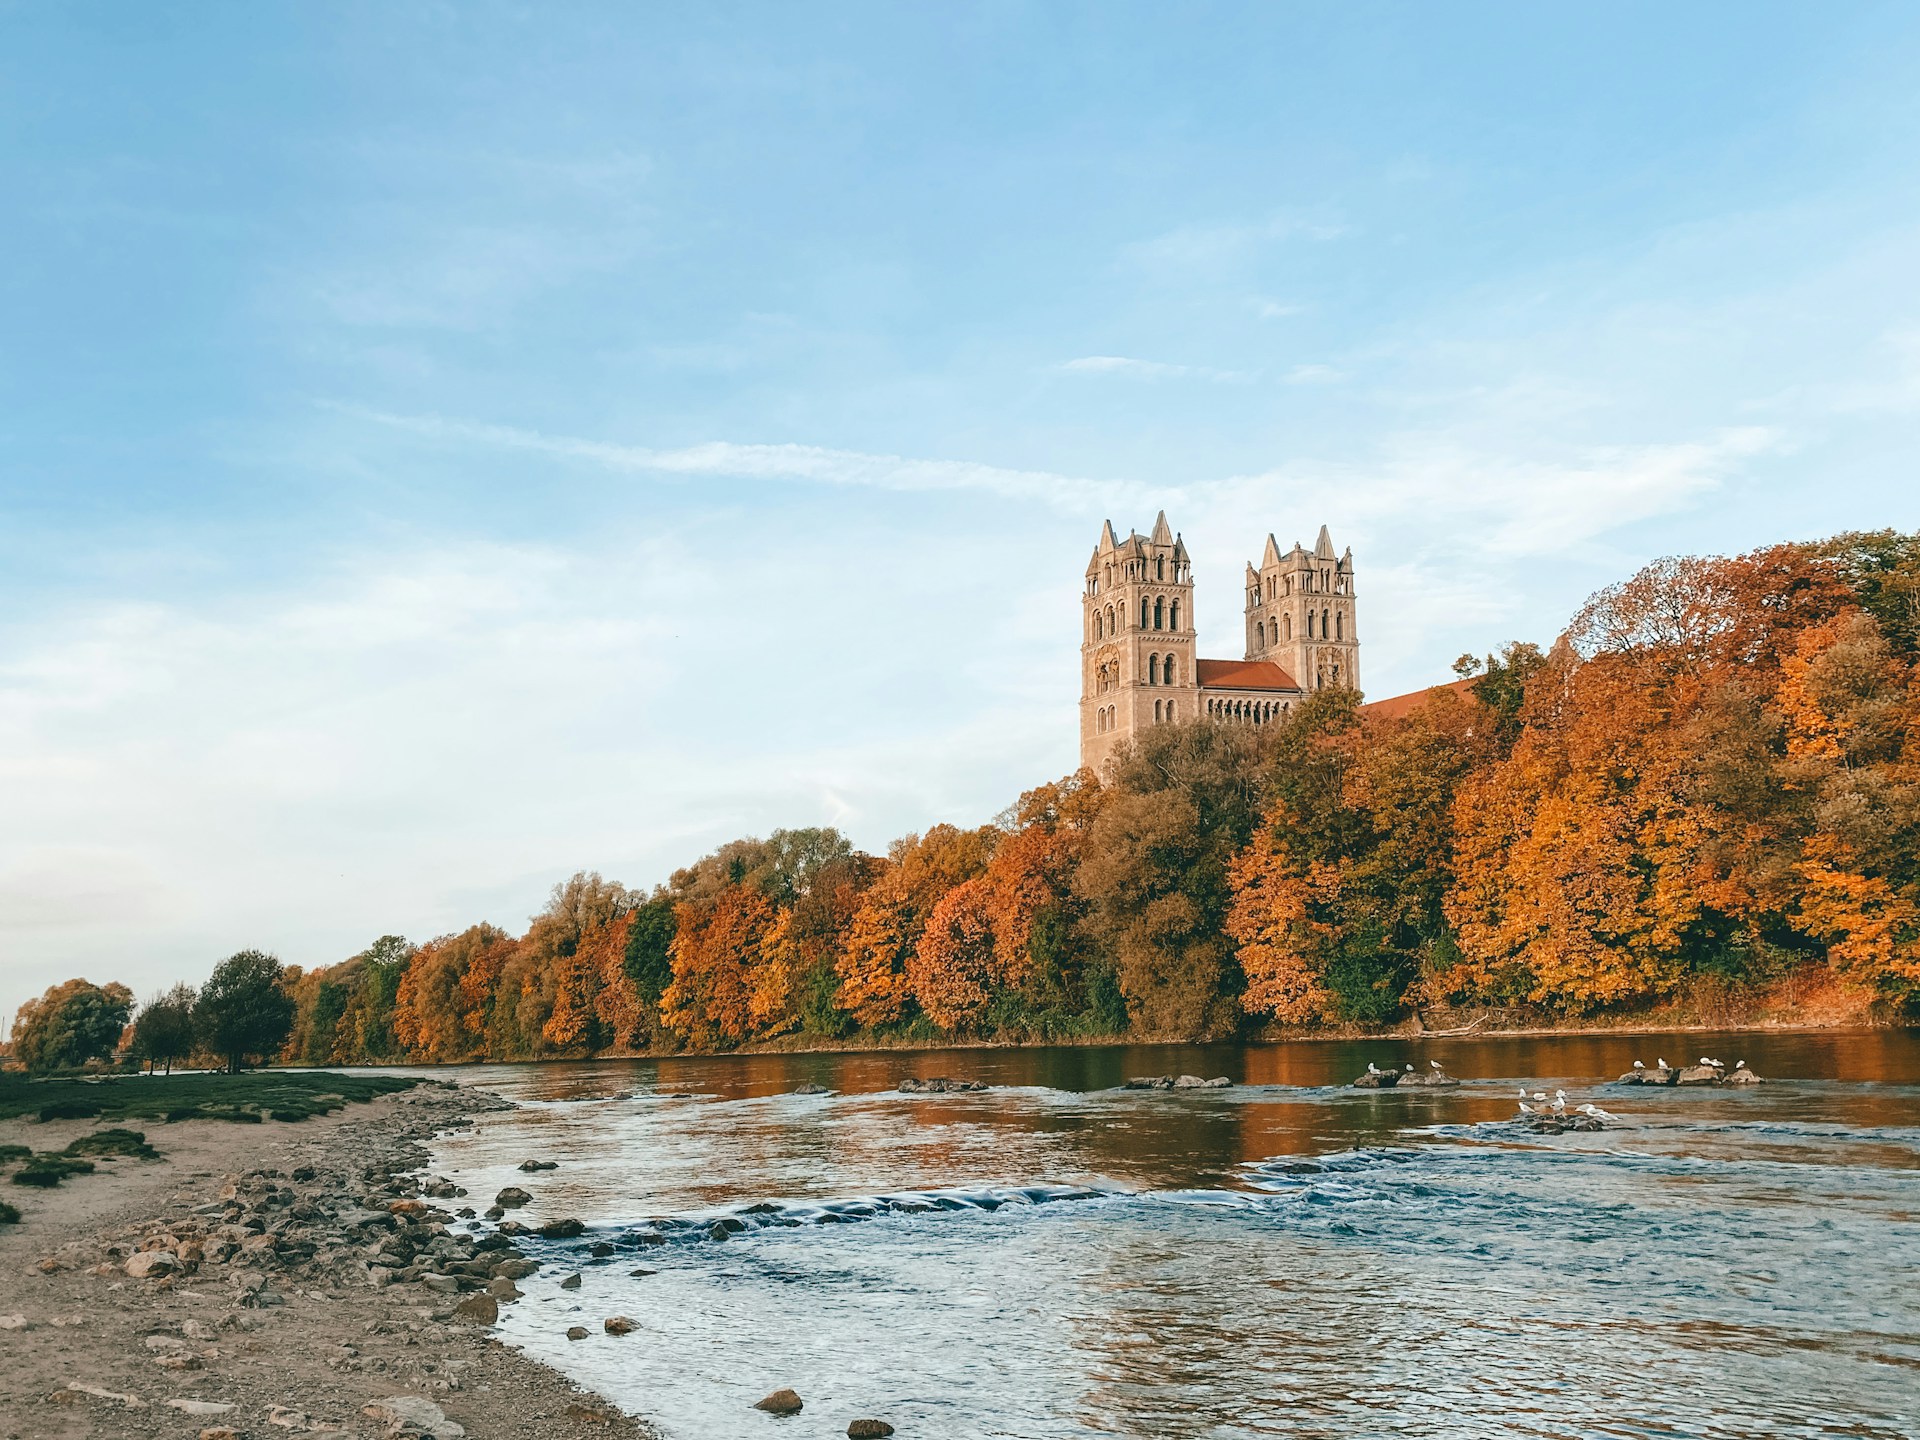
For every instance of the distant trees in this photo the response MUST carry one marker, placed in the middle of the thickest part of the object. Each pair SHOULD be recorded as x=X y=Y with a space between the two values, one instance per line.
x=163 y=1031
x=1710 y=781
x=70 y=1024
x=244 y=1012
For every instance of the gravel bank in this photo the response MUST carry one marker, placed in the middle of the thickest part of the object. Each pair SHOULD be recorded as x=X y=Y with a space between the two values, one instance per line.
x=269 y=1280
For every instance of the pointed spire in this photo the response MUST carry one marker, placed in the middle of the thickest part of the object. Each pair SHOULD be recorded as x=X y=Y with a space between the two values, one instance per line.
x=1271 y=555
x=1323 y=547
x=1162 y=535
x=1107 y=542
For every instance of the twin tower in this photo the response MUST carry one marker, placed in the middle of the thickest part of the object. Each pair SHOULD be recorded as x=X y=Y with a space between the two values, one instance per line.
x=1138 y=665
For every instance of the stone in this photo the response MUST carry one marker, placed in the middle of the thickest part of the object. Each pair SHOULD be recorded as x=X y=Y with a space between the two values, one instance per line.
x=201 y=1409
x=221 y=1432
x=413 y=1415
x=441 y=1284
x=1743 y=1076
x=529 y=1166
x=518 y=1269
x=15 y=1322
x=868 y=1429
x=561 y=1229
x=640 y=1274
x=939 y=1085
x=1698 y=1075
x=132 y=1402
x=288 y=1418
x=152 y=1264
x=478 y=1309
x=1377 y=1080
x=807 y=1089
x=513 y=1197
x=780 y=1402
x=572 y=1282
x=576 y=1332
x=501 y=1288
x=617 y=1325
x=600 y=1249
x=1149 y=1082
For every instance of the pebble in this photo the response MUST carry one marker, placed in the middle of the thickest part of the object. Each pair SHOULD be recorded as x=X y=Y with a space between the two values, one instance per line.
x=868 y=1429
x=780 y=1402
x=577 y=1332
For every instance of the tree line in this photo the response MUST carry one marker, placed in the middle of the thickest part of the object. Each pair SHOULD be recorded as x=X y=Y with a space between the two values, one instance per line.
x=1711 y=779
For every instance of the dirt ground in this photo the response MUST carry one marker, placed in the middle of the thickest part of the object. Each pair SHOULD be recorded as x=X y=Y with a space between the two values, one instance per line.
x=305 y=1327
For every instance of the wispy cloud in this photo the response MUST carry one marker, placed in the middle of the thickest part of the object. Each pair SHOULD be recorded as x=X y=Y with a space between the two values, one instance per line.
x=1202 y=246
x=813 y=464
x=1314 y=375
x=1153 y=370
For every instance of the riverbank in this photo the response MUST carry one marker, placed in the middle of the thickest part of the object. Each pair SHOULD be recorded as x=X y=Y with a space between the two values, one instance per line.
x=265 y=1278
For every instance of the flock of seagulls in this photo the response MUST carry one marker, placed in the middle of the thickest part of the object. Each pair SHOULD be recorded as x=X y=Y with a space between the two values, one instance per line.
x=1557 y=1106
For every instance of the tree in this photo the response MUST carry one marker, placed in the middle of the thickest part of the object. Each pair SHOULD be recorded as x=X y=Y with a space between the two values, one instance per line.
x=244 y=1012
x=163 y=1031
x=70 y=1024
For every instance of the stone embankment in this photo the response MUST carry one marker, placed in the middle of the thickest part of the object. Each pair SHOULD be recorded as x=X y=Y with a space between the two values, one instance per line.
x=315 y=1288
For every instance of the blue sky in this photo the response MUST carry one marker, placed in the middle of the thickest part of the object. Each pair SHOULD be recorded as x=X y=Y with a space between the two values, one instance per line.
x=445 y=446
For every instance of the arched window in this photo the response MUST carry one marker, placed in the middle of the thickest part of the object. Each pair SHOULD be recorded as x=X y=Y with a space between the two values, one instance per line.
x=1159 y=567
x=1097 y=632
x=1168 y=676
x=1112 y=629
x=1146 y=612
x=1169 y=712
x=1153 y=669
x=1289 y=627
x=1174 y=615
x=1261 y=631
x=1159 y=613
x=1323 y=624
x=1309 y=624
x=1340 y=626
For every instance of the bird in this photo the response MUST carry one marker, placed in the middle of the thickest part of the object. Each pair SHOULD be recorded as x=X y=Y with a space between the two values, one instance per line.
x=1739 y=1064
x=1639 y=1064
x=1525 y=1109
x=1705 y=1061
x=1436 y=1064
x=1661 y=1061
x=1409 y=1069
x=1540 y=1095
x=1597 y=1113
x=1372 y=1069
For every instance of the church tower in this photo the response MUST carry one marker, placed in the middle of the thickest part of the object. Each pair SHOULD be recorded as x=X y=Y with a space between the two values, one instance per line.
x=1137 y=659
x=1300 y=614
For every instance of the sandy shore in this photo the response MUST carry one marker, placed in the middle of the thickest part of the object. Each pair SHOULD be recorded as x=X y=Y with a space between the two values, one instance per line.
x=299 y=1291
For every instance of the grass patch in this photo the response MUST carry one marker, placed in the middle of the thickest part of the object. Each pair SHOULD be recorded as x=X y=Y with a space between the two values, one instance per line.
x=11 y=1153
x=114 y=1142
x=9 y=1215
x=49 y=1170
x=247 y=1098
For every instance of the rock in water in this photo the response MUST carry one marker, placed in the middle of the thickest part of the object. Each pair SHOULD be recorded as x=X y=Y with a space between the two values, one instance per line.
x=780 y=1402
x=513 y=1197
x=807 y=1089
x=1377 y=1080
x=1698 y=1075
x=1150 y=1082
x=939 y=1085
x=561 y=1229
x=1743 y=1076
x=576 y=1332
x=868 y=1430
x=572 y=1282
x=529 y=1166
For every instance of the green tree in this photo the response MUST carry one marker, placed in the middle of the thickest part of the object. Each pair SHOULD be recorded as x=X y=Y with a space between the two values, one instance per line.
x=70 y=1024
x=244 y=1011
x=163 y=1031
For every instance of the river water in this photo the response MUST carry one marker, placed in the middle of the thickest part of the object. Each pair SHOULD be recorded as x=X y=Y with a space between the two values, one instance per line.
x=1058 y=1257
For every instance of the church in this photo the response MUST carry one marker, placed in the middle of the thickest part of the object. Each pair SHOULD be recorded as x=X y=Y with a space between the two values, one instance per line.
x=1137 y=662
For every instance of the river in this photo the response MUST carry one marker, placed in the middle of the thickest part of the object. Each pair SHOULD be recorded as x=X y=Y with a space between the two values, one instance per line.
x=1057 y=1257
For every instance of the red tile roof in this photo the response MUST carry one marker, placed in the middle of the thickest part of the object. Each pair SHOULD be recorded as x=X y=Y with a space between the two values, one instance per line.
x=1398 y=707
x=1242 y=675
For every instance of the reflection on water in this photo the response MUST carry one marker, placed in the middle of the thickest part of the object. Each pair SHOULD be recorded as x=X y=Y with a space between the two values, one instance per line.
x=1058 y=1257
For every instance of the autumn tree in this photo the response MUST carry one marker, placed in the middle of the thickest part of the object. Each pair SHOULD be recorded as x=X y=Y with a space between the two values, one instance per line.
x=70 y=1024
x=1154 y=876
x=884 y=933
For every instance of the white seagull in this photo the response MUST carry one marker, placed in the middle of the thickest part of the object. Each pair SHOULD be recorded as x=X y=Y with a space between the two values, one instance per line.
x=1639 y=1064
x=1661 y=1061
x=1597 y=1113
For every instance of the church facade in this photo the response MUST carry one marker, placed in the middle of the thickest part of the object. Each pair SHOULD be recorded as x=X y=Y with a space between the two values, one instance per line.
x=1138 y=662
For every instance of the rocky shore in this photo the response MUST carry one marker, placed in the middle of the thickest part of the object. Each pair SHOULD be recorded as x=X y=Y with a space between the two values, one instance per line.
x=268 y=1280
